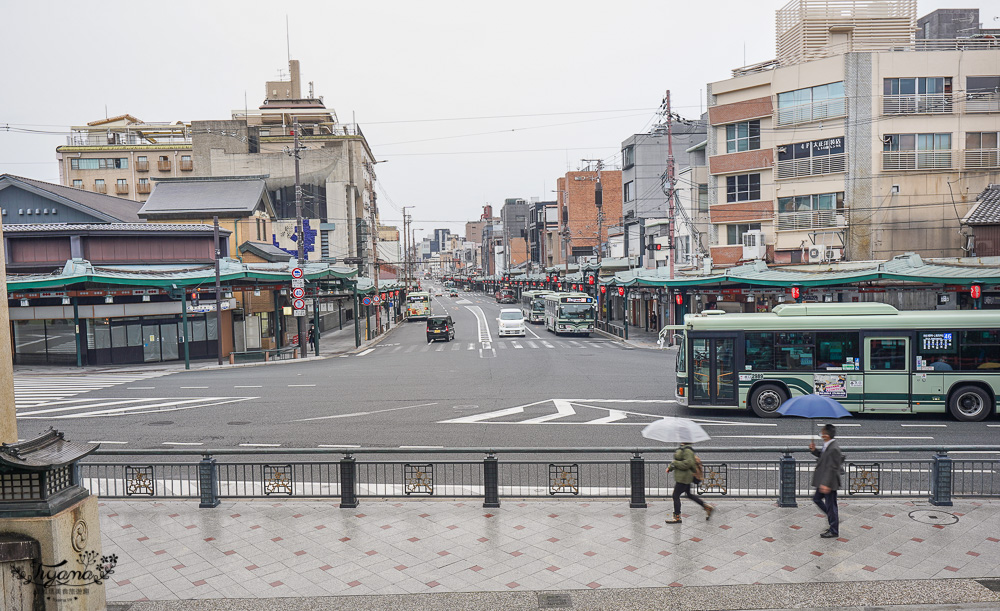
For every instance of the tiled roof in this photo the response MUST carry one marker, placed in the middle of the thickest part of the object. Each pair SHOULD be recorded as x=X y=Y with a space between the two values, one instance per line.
x=110 y=227
x=267 y=252
x=987 y=208
x=204 y=197
x=96 y=204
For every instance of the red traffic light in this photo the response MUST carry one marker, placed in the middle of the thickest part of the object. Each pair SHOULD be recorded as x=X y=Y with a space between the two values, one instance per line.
x=657 y=246
x=621 y=291
x=796 y=293
x=679 y=299
x=975 y=291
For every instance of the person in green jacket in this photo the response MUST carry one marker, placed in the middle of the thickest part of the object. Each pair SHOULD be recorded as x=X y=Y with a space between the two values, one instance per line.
x=683 y=467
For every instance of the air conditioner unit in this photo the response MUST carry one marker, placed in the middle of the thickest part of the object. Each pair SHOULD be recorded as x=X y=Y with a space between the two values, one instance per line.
x=834 y=254
x=816 y=254
x=753 y=245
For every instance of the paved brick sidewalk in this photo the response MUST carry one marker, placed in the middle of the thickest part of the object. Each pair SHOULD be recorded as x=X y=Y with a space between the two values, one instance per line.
x=259 y=549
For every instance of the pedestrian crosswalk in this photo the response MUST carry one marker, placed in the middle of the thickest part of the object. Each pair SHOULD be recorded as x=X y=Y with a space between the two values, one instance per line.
x=502 y=345
x=35 y=390
x=573 y=411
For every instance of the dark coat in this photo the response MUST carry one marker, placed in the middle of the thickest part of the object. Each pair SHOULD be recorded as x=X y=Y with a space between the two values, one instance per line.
x=684 y=465
x=828 y=466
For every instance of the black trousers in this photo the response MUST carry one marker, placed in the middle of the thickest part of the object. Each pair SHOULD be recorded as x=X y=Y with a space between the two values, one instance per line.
x=828 y=504
x=680 y=489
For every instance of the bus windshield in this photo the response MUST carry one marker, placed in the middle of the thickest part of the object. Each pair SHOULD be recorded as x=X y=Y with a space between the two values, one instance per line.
x=538 y=305
x=576 y=311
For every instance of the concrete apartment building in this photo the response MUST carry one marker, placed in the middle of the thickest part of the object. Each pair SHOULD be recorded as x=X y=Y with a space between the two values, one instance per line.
x=860 y=141
x=543 y=217
x=577 y=236
x=123 y=155
x=514 y=217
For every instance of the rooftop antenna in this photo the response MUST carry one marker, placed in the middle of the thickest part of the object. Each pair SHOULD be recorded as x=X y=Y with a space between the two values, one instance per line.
x=288 y=39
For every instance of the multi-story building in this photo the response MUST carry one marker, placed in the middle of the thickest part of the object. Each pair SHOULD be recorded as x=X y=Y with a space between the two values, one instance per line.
x=859 y=141
x=543 y=217
x=692 y=225
x=122 y=156
x=514 y=216
x=581 y=233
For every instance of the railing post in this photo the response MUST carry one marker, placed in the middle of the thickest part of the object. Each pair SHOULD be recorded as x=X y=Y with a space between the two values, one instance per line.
x=637 y=477
x=348 y=482
x=491 y=481
x=787 y=481
x=941 y=480
x=208 y=482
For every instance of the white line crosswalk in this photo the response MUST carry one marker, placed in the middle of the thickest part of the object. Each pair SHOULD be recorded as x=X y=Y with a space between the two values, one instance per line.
x=31 y=391
x=519 y=343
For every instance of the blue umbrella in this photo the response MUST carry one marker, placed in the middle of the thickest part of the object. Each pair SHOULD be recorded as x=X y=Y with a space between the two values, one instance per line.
x=813 y=406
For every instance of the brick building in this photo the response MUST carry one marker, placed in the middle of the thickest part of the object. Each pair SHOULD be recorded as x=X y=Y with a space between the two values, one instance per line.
x=577 y=235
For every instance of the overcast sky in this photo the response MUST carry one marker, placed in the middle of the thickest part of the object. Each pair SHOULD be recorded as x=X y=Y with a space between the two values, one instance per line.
x=469 y=102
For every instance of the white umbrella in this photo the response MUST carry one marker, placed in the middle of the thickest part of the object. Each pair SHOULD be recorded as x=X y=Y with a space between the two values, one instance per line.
x=675 y=430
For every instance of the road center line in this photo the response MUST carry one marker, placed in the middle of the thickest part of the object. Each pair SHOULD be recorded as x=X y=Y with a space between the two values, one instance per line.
x=369 y=351
x=378 y=411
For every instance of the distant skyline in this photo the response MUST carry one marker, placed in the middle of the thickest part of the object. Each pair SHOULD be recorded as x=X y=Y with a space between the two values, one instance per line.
x=468 y=107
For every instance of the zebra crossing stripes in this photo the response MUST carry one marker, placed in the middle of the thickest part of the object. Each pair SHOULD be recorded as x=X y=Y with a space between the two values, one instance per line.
x=505 y=344
x=32 y=391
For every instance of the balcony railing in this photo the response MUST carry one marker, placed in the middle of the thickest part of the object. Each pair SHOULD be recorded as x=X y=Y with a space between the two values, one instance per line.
x=814 y=111
x=811 y=219
x=812 y=166
x=141 y=166
x=186 y=165
x=144 y=188
x=982 y=158
x=982 y=102
x=918 y=104
x=163 y=165
x=917 y=160
x=100 y=188
x=121 y=188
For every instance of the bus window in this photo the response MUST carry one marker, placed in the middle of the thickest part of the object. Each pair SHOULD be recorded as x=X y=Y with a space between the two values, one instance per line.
x=837 y=349
x=980 y=349
x=760 y=351
x=794 y=352
x=888 y=354
x=681 y=365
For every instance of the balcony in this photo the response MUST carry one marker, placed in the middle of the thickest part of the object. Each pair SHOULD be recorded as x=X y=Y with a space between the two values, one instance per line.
x=141 y=166
x=814 y=111
x=144 y=188
x=100 y=188
x=918 y=104
x=917 y=160
x=982 y=158
x=121 y=188
x=982 y=102
x=163 y=165
x=186 y=165
x=810 y=219
x=812 y=166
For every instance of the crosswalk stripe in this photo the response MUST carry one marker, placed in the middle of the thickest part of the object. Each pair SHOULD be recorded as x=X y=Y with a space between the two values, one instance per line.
x=472 y=346
x=547 y=344
x=440 y=348
x=502 y=345
x=35 y=391
x=532 y=344
x=516 y=345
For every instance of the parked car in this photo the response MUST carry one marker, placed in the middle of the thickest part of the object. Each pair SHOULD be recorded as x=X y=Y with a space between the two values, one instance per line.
x=440 y=327
x=510 y=322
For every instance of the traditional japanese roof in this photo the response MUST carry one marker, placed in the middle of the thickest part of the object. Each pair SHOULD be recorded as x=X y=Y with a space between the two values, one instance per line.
x=63 y=228
x=201 y=197
x=268 y=252
x=987 y=208
x=101 y=207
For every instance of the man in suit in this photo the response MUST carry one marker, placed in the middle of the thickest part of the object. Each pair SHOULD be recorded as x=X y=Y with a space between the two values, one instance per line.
x=826 y=478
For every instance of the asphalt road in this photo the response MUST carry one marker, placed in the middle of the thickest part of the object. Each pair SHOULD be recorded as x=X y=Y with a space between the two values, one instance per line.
x=475 y=391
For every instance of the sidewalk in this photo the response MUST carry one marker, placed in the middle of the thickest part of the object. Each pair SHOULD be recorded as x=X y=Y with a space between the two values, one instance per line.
x=637 y=338
x=449 y=554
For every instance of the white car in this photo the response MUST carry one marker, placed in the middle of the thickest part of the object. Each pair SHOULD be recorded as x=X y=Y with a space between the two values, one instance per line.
x=511 y=322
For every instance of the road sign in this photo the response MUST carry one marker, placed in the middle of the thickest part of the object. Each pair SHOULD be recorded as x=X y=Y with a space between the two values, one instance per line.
x=298 y=312
x=298 y=292
x=366 y=301
x=299 y=304
x=297 y=272
x=352 y=260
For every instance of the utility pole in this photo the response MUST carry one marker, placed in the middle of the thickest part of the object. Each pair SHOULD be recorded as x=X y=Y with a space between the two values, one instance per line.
x=301 y=242
x=406 y=248
x=218 y=296
x=375 y=266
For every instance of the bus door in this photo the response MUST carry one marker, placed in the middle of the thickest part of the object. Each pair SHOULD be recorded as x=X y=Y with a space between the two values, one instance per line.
x=712 y=367
x=888 y=365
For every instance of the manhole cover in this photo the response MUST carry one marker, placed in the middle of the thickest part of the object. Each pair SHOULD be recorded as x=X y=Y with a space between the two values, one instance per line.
x=238 y=422
x=992 y=584
x=160 y=423
x=929 y=516
x=555 y=600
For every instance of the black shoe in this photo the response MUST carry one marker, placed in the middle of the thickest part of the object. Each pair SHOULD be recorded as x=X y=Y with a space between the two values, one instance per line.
x=829 y=535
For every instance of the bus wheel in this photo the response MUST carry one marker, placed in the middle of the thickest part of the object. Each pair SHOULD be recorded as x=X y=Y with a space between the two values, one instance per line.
x=969 y=404
x=765 y=400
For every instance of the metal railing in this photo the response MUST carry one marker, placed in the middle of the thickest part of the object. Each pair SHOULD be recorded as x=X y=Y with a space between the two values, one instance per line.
x=918 y=104
x=811 y=166
x=918 y=160
x=812 y=111
x=163 y=165
x=766 y=472
x=811 y=219
x=982 y=158
x=982 y=101
x=617 y=330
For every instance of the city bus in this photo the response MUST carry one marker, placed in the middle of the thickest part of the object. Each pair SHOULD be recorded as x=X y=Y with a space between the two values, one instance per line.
x=533 y=306
x=418 y=305
x=870 y=357
x=571 y=313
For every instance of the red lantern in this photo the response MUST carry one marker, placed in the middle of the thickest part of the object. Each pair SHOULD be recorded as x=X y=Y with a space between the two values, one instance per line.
x=975 y=291
x=796 y=292
x=604 y=289
x=679 y=299
x=590 y=280
x=621 y=291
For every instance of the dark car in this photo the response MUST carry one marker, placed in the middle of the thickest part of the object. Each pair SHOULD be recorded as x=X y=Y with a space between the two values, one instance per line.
x=440 y=327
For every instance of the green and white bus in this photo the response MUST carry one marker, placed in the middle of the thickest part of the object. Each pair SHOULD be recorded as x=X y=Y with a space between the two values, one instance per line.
x=870 y=357
x=533 y=305
x=418 y=305
x=570 y=313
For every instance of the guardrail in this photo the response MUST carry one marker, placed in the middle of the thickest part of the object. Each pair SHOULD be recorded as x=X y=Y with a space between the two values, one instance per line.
x=560 y=473
x=613 y=329
x=262 y=356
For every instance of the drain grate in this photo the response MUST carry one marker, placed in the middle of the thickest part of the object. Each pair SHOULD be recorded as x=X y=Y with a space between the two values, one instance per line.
x=555 y=600
x=991 y=584
x=930 y=516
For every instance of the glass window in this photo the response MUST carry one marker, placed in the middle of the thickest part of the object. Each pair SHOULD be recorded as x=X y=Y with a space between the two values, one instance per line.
x=212 y=327
x=77 y=183
x=980 y=349
x=811 y=94
x=976 y=86
x=743 y=136
x=887 y=354
x=629 y=194
x=793 y=351
x=628 y=156
x=915 y=142
x=735 y=232
x=141 y=159
x=742 y=187
x=702 y=198
x=198 y=330
x=837 y=349
x=760 y=351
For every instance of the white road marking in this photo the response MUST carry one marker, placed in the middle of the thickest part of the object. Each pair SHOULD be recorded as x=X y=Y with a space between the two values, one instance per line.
x=249 y=386
x=547 y=344
x=563 y=409
x=502 y=345
x=146 y=408
x=516 y=345
x=439 y=348
x=139 y=387
x=528 y=329
x=484 y=327
x=181 y=443
x=369 y=351
x=613 y=416
x=421 y=447
x=532 y=344
x=472 y=346
x=260 y=445
x=489 y=415
x=299 y=385
x=338 y=445
x=378 y=411
x=193 y=387
x=813 y=437
x=934 y=425
x=110 y=442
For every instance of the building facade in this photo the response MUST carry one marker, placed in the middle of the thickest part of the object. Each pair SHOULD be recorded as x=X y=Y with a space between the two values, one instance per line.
x=581 y=232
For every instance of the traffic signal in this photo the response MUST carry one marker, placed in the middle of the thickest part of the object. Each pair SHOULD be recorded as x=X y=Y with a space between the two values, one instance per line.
x=975 y=291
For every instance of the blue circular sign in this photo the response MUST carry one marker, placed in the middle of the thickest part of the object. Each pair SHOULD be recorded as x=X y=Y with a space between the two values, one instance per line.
x=367 y=301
